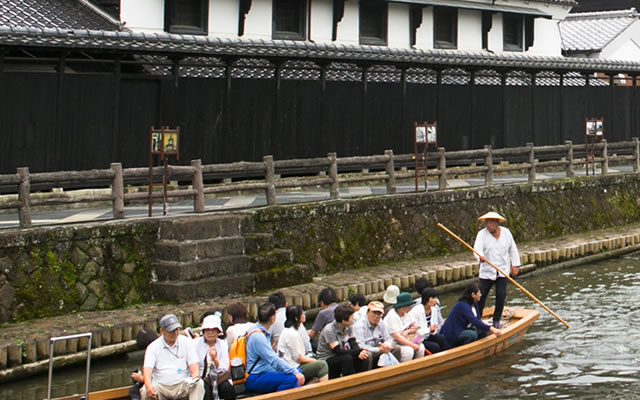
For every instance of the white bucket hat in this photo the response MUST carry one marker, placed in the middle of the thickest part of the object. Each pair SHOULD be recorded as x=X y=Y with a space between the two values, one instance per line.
x=391 y=294
x=492 y=215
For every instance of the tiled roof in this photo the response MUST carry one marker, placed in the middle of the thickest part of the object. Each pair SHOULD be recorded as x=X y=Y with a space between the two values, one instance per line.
x=58 y=14
x=189 y=45
x=592 y=31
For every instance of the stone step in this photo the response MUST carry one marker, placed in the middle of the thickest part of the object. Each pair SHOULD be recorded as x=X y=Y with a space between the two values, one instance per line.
x=205 y=227
x=208 y=288
x=190 y=250
x=271 y=259
x=258 y=242
x=190 y=270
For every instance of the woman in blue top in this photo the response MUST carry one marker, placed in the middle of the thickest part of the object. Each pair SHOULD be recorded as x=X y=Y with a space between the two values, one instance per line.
x=463 y=324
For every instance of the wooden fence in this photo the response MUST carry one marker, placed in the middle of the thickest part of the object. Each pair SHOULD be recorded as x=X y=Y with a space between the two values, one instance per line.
x=467 y=162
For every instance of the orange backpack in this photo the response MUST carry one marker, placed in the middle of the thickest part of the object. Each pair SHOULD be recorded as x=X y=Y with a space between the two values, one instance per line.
x=238 y=358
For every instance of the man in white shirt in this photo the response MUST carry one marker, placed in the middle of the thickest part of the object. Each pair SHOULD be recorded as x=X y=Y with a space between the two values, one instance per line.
x=372 y=335
x=279 y=301
x=171 y=369
x=495 y=244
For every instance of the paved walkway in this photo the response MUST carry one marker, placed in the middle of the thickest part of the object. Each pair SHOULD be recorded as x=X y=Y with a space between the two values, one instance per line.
x=241 y=201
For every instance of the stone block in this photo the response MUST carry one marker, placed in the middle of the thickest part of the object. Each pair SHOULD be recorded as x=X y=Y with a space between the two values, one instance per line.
x=3 y=357
x=30 y=352
x=306 y=301
x=83 y=343
x=72 y=346
x=433 y=278
x=258 y=242
x=456 y=273
x=59 y=348
x=448 y=274
x=171 y=250
x=14 y=355
x=204 y=226
x=127 y=333
x=116 y=334
x=361 y=288
x=42 y=349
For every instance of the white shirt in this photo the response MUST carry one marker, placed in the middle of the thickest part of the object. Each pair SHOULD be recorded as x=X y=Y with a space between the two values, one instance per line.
x=291 y=346
x=396 y=324
x=361 y=313
x=238 y=330
x=417 y=312
x=501 y=252
x=278 y=325
x=202 y=350
x=170 y=364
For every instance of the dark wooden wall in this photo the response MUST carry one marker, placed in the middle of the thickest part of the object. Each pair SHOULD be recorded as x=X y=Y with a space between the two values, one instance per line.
x=81 y=121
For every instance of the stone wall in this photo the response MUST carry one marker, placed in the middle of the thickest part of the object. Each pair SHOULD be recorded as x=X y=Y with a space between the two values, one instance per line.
x=345 y=234
x=61 y=270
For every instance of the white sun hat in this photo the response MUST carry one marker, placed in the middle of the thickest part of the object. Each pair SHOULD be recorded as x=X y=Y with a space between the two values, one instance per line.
x=492 y=215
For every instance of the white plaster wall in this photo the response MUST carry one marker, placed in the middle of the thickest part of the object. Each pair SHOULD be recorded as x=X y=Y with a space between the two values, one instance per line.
x=398 y=25
x=349 y=27
x=143 y=15
x=424 y=34
x=223 y=18
x=494 y=40
x=257 y=24
x=626 y=46
x=469 y=29
x=546 y=37
x=321 y=20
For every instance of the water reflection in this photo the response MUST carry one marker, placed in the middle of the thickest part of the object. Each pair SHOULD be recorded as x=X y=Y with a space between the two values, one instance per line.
x=599 y=357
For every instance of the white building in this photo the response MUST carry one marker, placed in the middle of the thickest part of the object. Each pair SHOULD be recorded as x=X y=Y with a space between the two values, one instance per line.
x=527 y=26
x=613 y=35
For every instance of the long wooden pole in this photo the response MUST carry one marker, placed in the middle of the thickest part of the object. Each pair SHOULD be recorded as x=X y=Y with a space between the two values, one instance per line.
x=525 y=291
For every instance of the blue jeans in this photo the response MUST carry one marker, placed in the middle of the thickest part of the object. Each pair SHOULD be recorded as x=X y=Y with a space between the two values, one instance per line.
x=466 y=336
x=271 y=382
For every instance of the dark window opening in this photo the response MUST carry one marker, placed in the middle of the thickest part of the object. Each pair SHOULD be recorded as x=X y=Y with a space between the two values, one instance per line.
x=512 y=32
x=289 y=19
x=445 y=28
x=186 y=16
x=373 y=23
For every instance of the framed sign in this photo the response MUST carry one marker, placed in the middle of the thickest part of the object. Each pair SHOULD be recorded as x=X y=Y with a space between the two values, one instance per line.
x=432 y=137
x=595 y=128
x=421 y=134
x=164 y=141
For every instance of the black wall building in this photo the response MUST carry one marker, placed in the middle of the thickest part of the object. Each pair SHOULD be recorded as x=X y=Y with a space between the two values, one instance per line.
x=75 y=100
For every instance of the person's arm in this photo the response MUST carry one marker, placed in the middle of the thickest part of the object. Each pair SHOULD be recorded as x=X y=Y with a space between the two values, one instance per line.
x=478 y=246
x=223 y=358
x=418 y=315
x=312 y=334
x=195 y=370
x=473 y=320
x=401 y=340
x=359 y=331
x=263 y=349
x=515 y=258
x=151 y=391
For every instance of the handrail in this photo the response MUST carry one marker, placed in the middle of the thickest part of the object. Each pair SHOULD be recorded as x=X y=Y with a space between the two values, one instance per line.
x=330 y=171
x=77 y=336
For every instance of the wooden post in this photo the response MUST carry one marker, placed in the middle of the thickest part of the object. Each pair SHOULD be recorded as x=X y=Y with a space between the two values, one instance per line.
x=333 y=175
x=198 y=186
x=24 y=197
x=532 y=163
x=605 y=157
x=270 y=178
x=570 y=172
x=488 y=163
x=442 y=166
x=636 y=154
x=390 y=170
x=117 y=191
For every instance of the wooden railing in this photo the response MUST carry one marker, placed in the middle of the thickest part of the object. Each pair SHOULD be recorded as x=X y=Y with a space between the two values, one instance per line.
x=467 y=162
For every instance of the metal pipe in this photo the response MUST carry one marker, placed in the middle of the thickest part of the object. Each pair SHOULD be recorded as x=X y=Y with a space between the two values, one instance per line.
x=76 y=336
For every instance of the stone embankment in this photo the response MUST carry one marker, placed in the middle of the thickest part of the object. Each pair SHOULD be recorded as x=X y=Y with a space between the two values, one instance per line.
x=24 y=347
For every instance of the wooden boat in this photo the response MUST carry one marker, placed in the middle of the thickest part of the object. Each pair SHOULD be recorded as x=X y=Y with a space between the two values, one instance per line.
x=383 y=378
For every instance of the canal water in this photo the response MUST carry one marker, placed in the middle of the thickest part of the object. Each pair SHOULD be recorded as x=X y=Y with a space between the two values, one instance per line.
x=599 y=357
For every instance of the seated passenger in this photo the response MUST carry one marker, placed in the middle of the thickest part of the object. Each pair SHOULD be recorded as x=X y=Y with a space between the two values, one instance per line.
x=280 y=303
x=337 y=345
x=214 y=353
x=429 y=318
x=240 y=321
x=328 y=301
x=463 y=325
x=359 y=304
x=403 y=328
x=291 y=348
x=420 y=285
x=372 y=335
x=171 y=365
x=267 y=372
x=390 y=298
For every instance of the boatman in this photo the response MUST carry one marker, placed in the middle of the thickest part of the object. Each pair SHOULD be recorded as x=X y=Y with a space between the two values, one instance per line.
x=171 y=369
x=495 y=244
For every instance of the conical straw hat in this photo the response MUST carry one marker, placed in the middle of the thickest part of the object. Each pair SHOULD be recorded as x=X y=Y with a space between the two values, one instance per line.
x=491 y=215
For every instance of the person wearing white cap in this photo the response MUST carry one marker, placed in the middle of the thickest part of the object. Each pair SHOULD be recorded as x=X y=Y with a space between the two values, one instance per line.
x=171 y=365
x=390 y=298
x=495 y=244
x=214 y=353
